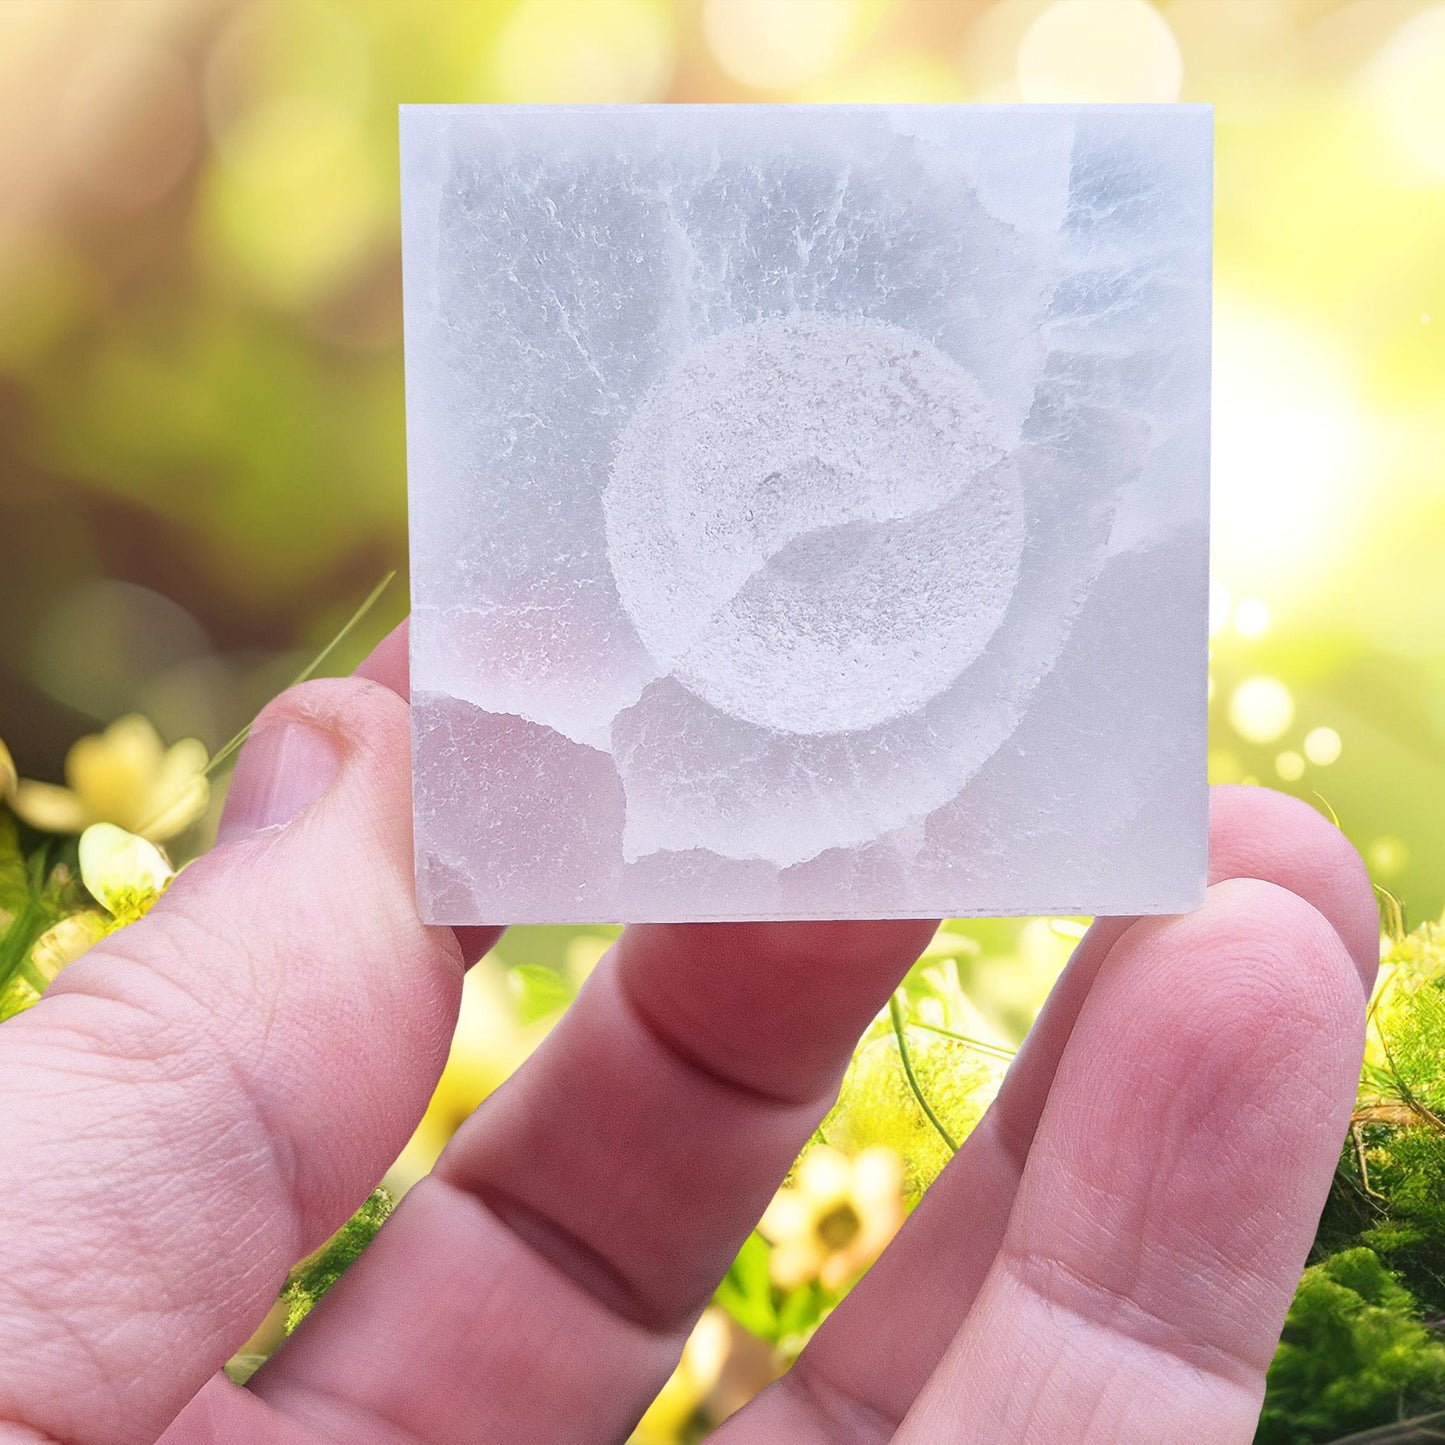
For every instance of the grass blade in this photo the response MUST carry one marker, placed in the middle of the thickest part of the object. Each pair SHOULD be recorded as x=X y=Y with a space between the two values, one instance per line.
x=231 y=748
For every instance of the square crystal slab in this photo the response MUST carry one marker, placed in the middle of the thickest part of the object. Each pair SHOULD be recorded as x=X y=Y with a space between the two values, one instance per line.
x=809 y=509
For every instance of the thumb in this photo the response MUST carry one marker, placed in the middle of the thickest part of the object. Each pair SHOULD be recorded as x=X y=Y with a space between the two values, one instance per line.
x=207 y=1094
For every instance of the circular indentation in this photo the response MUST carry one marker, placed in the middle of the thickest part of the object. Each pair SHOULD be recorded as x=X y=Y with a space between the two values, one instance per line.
x=813 y=522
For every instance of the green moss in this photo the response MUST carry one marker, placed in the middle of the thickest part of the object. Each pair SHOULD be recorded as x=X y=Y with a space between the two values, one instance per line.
x=315 y=1275
x=1355 y=1353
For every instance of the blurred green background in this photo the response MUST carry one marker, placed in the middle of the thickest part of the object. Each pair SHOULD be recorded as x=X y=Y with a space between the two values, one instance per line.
x=201 y=424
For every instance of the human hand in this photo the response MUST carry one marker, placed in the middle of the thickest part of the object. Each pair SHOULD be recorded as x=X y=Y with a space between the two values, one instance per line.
x=207 y=1095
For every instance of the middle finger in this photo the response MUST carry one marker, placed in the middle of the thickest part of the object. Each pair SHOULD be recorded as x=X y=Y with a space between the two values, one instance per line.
x=550 y=1269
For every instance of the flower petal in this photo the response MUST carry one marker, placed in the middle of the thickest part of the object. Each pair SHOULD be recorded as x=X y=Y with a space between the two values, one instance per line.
x=65 y=941
x=115 y=771
x=787 y=1217
x=174 y=811
x=183 y=761
x=8 y=776
x=179 y=792
x=877 y=1177
x=51 y=808
x=824 y=1174
x=134 y=738
x=124 y=871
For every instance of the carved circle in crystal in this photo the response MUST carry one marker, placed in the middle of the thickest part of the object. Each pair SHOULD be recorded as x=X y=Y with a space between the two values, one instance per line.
x=814 y=522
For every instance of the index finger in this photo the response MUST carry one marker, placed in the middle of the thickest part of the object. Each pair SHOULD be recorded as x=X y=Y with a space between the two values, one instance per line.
x=1172 y=1188
x=937 y=1264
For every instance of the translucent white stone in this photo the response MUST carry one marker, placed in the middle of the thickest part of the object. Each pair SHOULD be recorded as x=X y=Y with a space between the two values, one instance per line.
x=808 y=509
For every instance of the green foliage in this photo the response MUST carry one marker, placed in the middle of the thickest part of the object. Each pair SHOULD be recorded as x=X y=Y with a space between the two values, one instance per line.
x=920 y=1106
x=1389 y=1193
x=14 y=882
x=540 y=991
x=800 y=1312
x=785 y=1319
x=1407 y=1174
x=1355 y=1353
x=315 y=1275
x=746 y=1291
x=1362 y=1347
x=1411 y=1017
x=916 y=1085
x=19 y=921
x=37 y=891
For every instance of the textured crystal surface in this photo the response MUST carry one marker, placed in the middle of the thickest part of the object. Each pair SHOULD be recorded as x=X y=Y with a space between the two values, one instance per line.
x=809 y=509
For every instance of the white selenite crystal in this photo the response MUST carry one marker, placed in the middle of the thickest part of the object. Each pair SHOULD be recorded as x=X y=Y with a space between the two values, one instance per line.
x=809 y=509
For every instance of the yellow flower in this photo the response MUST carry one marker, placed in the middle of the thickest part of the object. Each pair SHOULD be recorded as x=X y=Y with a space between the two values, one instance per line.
x=490 y=1043
x=127 y=776
x=124 y=872
x=703 y=1358
x=60 y=944
x=8 y=776
x=835 y=1217
x=65 y=941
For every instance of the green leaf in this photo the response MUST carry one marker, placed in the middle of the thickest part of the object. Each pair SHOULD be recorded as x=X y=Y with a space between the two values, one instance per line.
x=21 y=929
x=14 y=882
x=746 y=1291
x=39 y=892
x=981 y=1046
x=62 y=893
x=540 y=991
x=800 y=1313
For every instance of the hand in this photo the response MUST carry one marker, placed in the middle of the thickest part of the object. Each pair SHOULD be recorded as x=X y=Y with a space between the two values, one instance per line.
x=204 y=1097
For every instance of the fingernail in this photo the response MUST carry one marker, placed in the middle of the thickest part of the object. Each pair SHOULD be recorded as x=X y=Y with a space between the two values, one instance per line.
x=282 y=770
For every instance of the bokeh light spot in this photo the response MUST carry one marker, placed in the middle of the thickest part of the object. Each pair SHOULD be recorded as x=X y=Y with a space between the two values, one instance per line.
x=307 y=48
x=1290 y=766
x=1251 y=617
x=97 y=647
x=1322 y=746
x=902 y=77
x=771 y=46
x=1387 y=857
x=1261 y=709
x=1289 y=449
x=1100 y=50
x=297 y=205
x=287 y=141
x=1405 y=83
x=300 y=200
x=583 y=52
